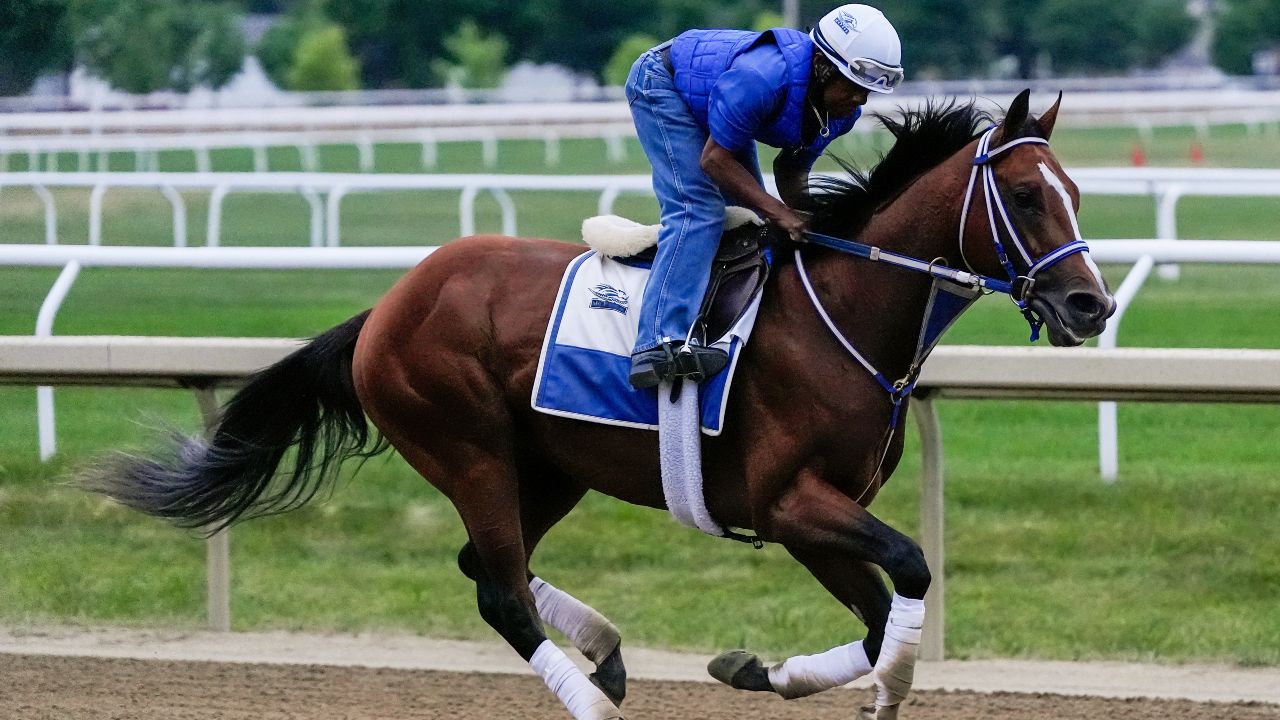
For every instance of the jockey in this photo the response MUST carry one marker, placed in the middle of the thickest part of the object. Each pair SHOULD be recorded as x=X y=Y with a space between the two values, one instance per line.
x=700 y=103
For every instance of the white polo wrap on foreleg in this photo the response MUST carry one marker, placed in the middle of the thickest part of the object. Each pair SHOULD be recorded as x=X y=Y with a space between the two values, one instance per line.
x=896 y=666
x=584 y=700
x=589 y=631
x=804 y=675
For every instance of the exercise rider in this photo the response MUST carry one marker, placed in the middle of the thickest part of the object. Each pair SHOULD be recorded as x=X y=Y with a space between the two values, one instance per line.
x=700 y=103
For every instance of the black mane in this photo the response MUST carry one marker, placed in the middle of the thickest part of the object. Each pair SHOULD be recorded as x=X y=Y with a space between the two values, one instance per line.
x=923 y=139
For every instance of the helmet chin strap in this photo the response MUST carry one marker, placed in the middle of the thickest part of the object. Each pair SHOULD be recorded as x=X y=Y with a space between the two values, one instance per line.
x=1022 y=284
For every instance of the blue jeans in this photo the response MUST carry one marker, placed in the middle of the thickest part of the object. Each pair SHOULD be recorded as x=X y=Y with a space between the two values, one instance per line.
x=691 y=204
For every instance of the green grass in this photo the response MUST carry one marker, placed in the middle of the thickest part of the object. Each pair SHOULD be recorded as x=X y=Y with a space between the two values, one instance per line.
x=1177 y=561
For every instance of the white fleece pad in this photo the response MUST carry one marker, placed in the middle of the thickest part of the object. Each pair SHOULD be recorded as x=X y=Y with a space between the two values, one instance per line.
x=616 y=236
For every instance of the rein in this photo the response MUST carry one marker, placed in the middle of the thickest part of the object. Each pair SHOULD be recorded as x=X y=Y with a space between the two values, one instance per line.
x=939 y=316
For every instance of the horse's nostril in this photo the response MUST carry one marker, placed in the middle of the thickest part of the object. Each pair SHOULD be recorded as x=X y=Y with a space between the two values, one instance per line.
x=1086 y=305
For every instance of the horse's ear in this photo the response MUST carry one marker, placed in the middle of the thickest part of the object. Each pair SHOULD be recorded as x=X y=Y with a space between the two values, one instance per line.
x=1011 y=127
x=1049 y=117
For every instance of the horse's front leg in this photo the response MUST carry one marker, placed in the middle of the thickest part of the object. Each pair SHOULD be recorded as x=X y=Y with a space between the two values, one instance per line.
x=813 y=518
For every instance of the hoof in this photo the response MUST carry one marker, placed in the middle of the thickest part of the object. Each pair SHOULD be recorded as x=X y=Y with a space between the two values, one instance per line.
x=740 y=670
x=611 y=677
x=872 y=712
x=612 y=687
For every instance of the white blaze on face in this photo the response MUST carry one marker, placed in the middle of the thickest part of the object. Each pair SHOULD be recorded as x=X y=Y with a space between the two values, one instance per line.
x=1056 y=183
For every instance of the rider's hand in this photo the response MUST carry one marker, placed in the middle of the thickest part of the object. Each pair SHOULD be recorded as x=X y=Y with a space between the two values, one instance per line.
x=792 y=223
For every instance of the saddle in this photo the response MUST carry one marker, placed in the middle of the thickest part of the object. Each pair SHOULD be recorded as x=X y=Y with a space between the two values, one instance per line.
x=740 y=268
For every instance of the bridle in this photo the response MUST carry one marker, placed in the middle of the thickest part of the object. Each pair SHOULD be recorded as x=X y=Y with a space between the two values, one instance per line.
x=1018 y=286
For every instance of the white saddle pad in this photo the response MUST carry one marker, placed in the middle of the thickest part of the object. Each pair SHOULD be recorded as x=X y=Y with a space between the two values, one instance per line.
x=586 y=353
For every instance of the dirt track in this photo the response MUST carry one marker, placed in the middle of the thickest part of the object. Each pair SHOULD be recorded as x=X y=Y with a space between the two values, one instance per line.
x=73 y=688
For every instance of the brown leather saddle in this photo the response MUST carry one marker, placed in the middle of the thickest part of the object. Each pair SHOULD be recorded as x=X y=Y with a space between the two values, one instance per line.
x=740 y=269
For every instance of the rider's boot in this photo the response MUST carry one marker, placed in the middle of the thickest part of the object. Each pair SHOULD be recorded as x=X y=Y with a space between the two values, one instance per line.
x=651 y=367
x=697 y=363
x=675 y=359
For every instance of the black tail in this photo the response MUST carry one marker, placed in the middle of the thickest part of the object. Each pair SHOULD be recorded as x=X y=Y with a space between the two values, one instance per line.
x=307 y=401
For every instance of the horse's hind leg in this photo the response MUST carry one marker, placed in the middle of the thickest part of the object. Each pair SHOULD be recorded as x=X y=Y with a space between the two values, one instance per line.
x=544 y=503
x=484 y=488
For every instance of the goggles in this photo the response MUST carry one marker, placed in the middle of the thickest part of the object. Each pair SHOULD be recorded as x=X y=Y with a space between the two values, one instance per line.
x=873 y=74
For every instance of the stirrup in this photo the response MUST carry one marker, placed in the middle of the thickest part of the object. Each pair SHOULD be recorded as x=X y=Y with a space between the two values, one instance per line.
x=650 y=367
x=697 y=363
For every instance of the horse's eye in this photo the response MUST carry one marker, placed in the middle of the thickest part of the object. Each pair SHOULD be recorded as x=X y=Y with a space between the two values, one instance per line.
x=1024 y=197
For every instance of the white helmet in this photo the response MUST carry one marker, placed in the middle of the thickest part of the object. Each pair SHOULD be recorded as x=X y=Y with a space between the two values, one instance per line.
x=860 y=41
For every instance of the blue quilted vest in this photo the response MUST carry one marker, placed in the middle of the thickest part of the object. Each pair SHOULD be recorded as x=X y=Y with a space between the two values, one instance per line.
x=700 y=57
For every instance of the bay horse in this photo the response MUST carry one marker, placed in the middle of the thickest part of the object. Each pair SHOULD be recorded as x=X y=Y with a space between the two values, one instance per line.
x=444 y=367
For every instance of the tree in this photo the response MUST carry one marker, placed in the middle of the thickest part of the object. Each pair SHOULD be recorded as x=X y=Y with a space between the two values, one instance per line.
x=766 y=20
x=1246 y=27
x=1163 y=27
x=323 y=62
x=1085 y=35
x=476 y=60
x=141 y=46
x=1010 y=23
x=33 y=38
x=210 y=47
x=941 y=38
x=615 y=73
x=277 y=48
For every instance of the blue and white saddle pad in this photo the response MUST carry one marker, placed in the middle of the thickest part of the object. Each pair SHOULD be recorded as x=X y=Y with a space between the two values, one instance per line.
x=586 y=354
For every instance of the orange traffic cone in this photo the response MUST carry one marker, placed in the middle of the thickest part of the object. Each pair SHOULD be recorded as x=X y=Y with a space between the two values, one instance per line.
x=1138 y=156
x=1197 y=153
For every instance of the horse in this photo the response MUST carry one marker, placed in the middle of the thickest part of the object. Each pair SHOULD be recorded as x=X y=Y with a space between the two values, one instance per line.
x=444 y=365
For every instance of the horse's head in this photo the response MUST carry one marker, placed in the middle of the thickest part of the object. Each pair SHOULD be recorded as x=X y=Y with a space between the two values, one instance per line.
x=1020 y=194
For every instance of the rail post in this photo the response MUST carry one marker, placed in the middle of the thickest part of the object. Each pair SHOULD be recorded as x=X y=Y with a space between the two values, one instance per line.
x=213 y=227
x=333 y=221
x=179 y=215
x=1108 y=425
x=932 y=642
x=1167 y=226
x=95 y=213
x=50 y=214
x=218 y=546
x=46 y=430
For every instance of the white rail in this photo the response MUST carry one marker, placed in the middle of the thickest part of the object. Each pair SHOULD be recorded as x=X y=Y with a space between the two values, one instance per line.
x=1143 y=254
x=952 y=371
x=1167 y=186
x=1217 y=105
x=43 y=151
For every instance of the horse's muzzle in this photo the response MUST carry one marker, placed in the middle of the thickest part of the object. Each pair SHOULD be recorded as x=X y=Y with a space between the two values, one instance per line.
x=1072 y=315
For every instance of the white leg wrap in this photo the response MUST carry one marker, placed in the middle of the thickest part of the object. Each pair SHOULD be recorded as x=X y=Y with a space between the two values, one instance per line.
x=589 y=631
x=804 y=675
x=896 y=666
x=584 y=700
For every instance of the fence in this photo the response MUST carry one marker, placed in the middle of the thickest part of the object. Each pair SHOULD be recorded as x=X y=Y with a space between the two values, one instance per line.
x=1084 y=106
x=145 y=133
x=1166 y=186
x=43 y=151
x=1141 y=254
x=952 y=371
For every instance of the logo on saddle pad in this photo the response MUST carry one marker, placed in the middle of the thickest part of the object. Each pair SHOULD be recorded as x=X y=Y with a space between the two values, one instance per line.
x=846 y=22
x=608 y=297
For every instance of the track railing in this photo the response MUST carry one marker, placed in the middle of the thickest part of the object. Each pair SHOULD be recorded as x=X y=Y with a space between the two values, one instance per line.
x=1166 y=186
x=1141 y=254
x=1164 y=375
